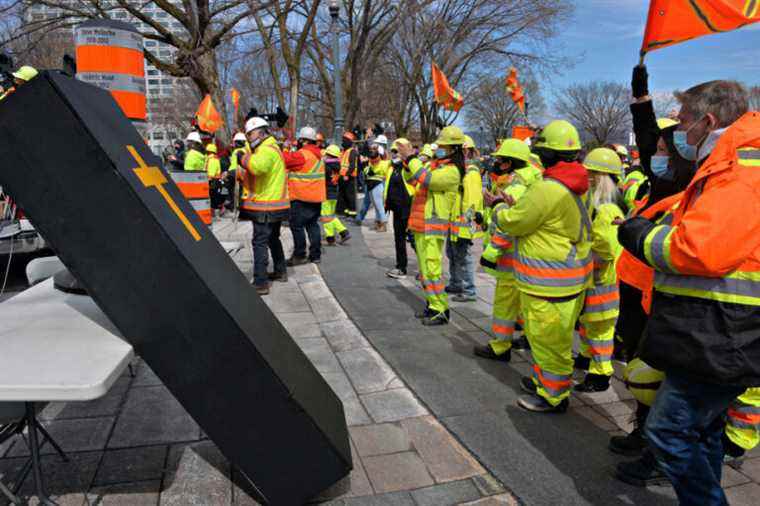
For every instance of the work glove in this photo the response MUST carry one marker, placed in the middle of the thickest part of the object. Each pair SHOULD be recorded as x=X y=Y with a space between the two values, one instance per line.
x=631 y=235
x=640 y=81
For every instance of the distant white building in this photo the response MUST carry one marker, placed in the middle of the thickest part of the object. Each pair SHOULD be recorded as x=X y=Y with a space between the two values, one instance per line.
x=157 y=85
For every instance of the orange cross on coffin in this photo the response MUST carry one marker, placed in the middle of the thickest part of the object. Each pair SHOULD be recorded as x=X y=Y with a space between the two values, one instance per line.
x=152 y=176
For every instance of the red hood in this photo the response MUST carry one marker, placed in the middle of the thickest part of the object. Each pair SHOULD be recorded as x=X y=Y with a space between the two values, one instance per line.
x=314 y=149
x=571 y=174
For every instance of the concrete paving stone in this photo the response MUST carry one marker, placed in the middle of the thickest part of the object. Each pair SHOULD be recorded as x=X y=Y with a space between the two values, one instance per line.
x=396 y=383
x=353 y=408
x=488 y=485
x=356 y=484
x=320 y=354
x=343 y=335
x=197 y=475
x=143 y=493
x=327 y=309
x=300 y=325
x=399 y=471
x=367 y=370
x=616 y=393
x=286 y=301
x=624 y=423
x=447 y=494
x=615 y=409
x=131 y=464
x=315 y=290
x=87 y=434
x=392 y=405
x=145 y=377
x=600 y=421
x=743 y=495
x=108 y=405
x=483 y=323
x=496 y=500
x=391 y=499
x=751 y=468
x=380 y=439
x=65 y=482
x=731 y=478
x=151 y=415
x=446 y=459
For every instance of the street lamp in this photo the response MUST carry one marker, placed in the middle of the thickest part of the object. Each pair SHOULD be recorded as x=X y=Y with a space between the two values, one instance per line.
x=334 y=7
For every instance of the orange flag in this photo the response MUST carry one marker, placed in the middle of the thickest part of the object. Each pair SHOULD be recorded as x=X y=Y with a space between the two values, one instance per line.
x=515 y=90
x=208 y=117
x=674 y=21
x=445 y=95
x=235 y=94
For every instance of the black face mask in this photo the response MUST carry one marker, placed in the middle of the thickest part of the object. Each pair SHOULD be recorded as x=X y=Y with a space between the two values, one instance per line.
x=239 y=144
x=346 y=144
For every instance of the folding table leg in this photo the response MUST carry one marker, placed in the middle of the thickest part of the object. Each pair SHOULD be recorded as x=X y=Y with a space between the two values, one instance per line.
x=31 y=419
x=8 y=494
x=48 y=438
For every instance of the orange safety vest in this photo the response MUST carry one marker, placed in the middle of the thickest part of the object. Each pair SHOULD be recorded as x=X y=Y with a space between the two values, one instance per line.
x=633 y=271
x=307 y=184
x=345 y=164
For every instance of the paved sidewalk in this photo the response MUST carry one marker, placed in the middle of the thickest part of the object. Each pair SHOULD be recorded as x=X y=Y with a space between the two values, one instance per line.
x=542 y=459
x=138 y=446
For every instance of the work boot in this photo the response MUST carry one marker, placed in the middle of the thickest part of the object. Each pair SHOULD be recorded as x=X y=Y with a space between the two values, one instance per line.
x=315 y=260
x=263 y=289
x=521 y=343
x=330 y=241
x=462 y=297
x=344 y=237
x=593 y=383
x=485 y=351
x=381 y=226
x=641 y=472
x=282 y=277
x=733 y=454
x=437 y=319
x=452 y=291
x=538 y=404
x=396 y=274
x=528 y=385
x=294 y=260
x=581 y=363
x=630 y=445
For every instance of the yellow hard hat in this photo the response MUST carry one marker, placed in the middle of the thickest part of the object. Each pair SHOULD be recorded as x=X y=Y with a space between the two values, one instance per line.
x=468 y=142
x=25 y=73
x=513 y=148
x=211 y=148
x=603 y=160
x=400 y=140
x=664 y=123
x=451 y=136
x=536 y=160
x=559 y=135
x=332 y=150
x=643 y=381
x=427 y=150
x=621 y=150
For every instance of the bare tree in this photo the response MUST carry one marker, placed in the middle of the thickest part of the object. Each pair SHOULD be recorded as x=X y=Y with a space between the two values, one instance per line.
x=600 y=110
x=754 y=98
x=665 y=104
x=490 y=110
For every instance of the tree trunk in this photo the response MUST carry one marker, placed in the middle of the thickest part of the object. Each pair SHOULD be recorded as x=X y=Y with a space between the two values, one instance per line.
x=295 y=81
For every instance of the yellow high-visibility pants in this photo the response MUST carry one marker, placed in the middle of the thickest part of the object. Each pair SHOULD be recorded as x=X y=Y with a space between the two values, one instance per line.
x=330 y=221
x=743 y=424
x=506 y=307
x=598 y=343
x=430 y=260
x=550 y=327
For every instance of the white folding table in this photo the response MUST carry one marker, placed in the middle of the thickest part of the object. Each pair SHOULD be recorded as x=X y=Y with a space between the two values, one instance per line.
x=56 y=346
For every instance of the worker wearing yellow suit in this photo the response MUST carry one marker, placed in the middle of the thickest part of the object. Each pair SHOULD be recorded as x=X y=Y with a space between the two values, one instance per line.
x=512 y=172
x=602 y=304
x=553 y=266
x=429 y=220
x=464 y=230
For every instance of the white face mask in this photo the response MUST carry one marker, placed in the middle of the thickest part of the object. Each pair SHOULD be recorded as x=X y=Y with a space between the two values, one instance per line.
x=708 y=146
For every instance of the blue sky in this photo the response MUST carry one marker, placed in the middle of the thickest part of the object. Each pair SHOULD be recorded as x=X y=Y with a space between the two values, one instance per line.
x=606 y=35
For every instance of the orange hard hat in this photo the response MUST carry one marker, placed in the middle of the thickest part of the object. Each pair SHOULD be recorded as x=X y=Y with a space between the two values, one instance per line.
x=349 y=135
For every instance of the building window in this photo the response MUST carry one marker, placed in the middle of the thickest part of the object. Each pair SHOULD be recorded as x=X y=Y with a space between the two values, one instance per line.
x=159 y=136
x=150 y=43
x=166 y=81
x=153 y=72
x=153 y=81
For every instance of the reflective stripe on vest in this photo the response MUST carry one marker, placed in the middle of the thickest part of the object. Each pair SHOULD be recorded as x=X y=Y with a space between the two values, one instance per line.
x=252 y=203
x=749 y=157
x=308 y=185
x=736 y=288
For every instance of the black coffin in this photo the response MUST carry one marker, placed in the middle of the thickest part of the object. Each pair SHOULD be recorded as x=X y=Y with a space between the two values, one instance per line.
x=94 y=190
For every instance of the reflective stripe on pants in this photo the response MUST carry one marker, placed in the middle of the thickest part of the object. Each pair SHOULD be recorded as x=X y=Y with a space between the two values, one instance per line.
x=506 y=307
x=549 y=326
x=598 y=343
x=330 y=222
x=430 y=260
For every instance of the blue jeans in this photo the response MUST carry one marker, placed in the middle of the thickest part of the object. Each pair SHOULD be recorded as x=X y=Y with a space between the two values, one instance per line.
x=684 y=428
x=461 y=266
x=374 y=197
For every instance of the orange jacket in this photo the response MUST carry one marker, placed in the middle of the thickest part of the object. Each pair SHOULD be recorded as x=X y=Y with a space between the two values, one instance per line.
x=306 y=174
x=712 y=248
x=633 y=271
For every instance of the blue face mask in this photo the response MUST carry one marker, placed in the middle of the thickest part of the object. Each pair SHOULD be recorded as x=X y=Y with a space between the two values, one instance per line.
x=686 y=150
x=440 y=153
x=660 y=169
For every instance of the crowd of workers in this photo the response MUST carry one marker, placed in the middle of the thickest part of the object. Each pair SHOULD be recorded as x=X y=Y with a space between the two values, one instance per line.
x=650 y=258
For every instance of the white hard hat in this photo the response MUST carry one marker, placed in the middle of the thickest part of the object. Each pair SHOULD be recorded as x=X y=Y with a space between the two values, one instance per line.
x=308 y=133
x=434 y=146
x=381 y=139
x=255 y=123
x=240 y=136
x=194 y=137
